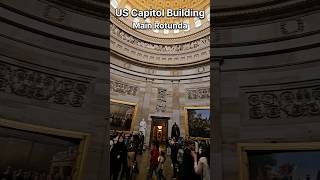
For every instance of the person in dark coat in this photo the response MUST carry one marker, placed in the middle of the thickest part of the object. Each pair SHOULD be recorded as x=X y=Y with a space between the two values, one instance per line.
x=187 y=171
x=118 y=157
x=174 y=153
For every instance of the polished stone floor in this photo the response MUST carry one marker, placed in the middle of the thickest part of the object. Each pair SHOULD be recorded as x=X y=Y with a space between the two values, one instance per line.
x=143 y=164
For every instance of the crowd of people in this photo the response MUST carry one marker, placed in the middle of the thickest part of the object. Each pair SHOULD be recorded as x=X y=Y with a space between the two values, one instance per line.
x=20 y=174
x=124 y=149
x=189 y=158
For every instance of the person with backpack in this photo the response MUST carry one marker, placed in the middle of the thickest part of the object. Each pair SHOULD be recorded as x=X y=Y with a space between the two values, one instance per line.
x=153 y=159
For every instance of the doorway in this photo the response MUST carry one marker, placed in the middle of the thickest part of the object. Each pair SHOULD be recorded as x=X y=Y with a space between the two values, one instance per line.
x=159 y=130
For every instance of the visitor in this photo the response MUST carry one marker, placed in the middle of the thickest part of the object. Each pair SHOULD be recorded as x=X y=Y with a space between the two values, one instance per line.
x=153 y=159
x=111 y=145
x=118 y=157
x=19 y=175
x=201 y=167
x=131 y=148
x=141 y=144
x=162 y=159
x=180 y=161
x=136 y=142
x=187 y=171
x=7 y=174
x=174 y=152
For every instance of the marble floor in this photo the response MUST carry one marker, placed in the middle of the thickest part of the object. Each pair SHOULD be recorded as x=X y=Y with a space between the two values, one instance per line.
x=143 y=163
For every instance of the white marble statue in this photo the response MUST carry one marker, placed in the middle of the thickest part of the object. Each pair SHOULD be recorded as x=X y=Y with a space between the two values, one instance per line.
x=143 y=126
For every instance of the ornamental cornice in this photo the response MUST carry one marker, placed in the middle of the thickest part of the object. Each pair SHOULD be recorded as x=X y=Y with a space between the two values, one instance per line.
x=158 y=40
x=221 y=16
x=137 y=56
x=274 y=4
x=261 y=12
x=160 y=35
x=154 y=54
x=176 y=49
x=90 y=7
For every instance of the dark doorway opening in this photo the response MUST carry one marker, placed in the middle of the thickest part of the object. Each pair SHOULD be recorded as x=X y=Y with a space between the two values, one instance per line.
x=159 y=130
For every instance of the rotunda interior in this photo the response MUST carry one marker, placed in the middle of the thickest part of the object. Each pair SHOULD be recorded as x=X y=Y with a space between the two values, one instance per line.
x=161 y=74
x=164 y=75
x=247 y=85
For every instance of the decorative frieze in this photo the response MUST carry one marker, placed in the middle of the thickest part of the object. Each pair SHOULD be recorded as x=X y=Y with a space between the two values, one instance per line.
x=200 y=43
x=285 y=103
x=161 y=100
x=198 y=93
x=123 y=88
x=42 y=86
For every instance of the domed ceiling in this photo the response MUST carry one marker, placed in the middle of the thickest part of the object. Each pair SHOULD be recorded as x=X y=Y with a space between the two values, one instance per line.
x=161 y=48
x=195 y=24
x=228 y=12
x=181 y=48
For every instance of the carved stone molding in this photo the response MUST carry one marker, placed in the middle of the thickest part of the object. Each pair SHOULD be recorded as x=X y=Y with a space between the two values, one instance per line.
x=285 y=103
x=216 y=36
x=161 y=100
x=123 y=88
x=90 y=7
x=42 y=86
x=159 y=48
x=292 y=27
x=257 y=13
x=54 y=13
x=198 y=93
x=140 y=51
x=158 y=39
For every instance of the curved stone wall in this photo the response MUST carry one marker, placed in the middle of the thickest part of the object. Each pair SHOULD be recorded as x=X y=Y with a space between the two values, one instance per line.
x=141 y=85
x=52 y=72
x=256 y=68
x=161 y=75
